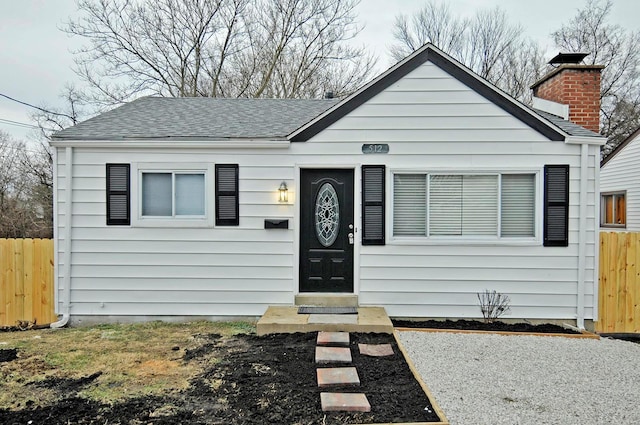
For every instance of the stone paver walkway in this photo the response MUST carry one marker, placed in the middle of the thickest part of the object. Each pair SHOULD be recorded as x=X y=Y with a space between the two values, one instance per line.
x=344 y=402
x=337 y=376
x=345 y=376
x=333 y=355
x=333 y=338
x=376 y=350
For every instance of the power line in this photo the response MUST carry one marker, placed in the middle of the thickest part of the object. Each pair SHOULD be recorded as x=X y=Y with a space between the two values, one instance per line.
x=21 y=148
x=33 y=106
x=24 y=125
x=17 y=123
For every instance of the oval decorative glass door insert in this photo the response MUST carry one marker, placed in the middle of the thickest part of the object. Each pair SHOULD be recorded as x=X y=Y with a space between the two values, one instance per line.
x=327 y=215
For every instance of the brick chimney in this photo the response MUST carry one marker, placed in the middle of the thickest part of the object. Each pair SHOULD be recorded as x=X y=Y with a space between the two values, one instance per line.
x=575 y=85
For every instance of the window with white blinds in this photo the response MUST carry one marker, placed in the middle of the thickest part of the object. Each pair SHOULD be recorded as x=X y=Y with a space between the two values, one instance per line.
x=518 y=199
x=483 y=205
x=409 y=205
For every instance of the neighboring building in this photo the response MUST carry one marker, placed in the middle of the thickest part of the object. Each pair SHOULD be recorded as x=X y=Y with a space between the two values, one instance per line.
x=620 y=186
x=423 y=188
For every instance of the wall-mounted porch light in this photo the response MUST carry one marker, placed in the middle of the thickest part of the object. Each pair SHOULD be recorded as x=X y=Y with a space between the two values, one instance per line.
x=284 y=192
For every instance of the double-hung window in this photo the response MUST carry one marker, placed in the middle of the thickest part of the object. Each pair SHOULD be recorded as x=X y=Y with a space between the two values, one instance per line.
x=173 y=194
x=464 y=206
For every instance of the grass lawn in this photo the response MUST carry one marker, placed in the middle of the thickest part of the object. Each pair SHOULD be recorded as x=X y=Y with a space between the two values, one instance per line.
x=124 y=360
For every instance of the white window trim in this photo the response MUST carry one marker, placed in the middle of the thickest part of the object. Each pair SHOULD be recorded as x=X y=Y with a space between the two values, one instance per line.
x=467 y=240
x=137 y=220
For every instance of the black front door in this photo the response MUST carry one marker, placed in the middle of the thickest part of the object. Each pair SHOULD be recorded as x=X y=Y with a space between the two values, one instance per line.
x=326 y=230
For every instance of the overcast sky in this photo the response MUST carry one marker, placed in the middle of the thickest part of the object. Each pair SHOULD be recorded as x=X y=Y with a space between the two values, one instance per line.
x=36 y=59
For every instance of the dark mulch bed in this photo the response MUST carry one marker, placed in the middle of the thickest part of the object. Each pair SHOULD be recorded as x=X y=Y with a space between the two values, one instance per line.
x=476 y=325
x=257 y=380
x=8 y=354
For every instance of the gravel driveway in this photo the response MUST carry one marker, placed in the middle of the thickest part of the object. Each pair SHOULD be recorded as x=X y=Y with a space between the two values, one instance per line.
x=493 y=379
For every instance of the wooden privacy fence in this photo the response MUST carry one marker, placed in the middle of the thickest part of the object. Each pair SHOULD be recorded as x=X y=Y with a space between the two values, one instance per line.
x=26 y=281
x=619 y=294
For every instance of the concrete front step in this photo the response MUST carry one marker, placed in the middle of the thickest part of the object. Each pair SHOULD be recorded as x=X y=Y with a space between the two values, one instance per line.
x=333 y=319
x=327 y=300
x=344 y=402
x=285 y=319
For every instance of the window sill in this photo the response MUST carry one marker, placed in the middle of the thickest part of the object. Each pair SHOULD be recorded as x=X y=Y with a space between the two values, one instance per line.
x=175 y=223
x=465 y=241
x=613 y=226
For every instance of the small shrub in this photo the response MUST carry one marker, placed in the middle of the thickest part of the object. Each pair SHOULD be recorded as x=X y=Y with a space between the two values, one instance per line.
x=493 y=305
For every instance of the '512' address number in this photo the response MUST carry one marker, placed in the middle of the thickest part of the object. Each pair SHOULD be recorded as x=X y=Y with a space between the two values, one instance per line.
x=375 y=148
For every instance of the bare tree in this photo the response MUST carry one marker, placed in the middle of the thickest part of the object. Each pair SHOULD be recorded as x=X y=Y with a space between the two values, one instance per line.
x=433 y=23
x=611 y=45
x=25 y=190
x=26 y=172
x=486 y=43
x=50 y=119
x=229 y=48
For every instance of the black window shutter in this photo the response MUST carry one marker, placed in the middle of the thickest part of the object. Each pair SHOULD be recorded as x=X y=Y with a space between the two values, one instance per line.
x=118 y=195
x=373 y=204
x=556 y=205
x=227 y=204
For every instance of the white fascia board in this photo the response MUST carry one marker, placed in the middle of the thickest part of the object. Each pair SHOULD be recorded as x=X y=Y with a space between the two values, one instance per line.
x=176 y=144
x=578 y=140
x=555 y=108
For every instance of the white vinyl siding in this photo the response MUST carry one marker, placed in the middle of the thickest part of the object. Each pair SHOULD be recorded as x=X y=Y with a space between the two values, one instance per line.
x=469 y=205
x=621 y=174
x=177 y=269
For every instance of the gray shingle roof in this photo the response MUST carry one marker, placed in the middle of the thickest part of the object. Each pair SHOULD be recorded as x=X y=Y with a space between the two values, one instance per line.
x=568 y=127
x=199 y=118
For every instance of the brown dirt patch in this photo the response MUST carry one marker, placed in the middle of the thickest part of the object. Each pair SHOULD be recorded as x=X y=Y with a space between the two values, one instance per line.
x=246 y=379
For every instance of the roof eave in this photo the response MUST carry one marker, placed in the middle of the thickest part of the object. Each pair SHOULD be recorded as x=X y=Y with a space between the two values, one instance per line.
x=586 y=140
x=175 y=142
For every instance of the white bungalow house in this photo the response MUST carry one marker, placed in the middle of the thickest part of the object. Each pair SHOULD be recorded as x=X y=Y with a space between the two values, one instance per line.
x=620 y=187
x=423 y=188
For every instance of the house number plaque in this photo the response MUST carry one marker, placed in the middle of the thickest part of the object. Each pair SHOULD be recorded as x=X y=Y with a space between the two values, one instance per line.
x=375 y=148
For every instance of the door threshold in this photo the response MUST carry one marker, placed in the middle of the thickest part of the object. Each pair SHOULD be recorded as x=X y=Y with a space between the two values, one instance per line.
x=324 y=299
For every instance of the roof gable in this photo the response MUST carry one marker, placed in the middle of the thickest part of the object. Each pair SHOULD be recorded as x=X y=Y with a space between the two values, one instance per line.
x=449 y=65
x=635 y=135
